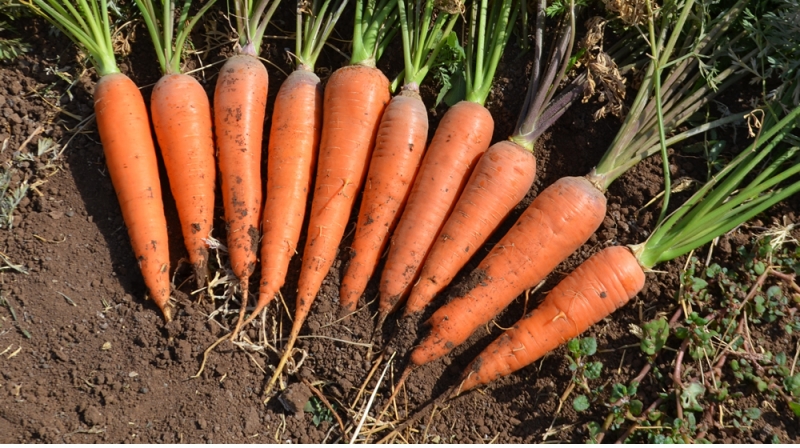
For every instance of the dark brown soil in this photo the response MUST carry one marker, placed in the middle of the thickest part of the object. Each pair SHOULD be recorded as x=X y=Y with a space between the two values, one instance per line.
x=89 y=360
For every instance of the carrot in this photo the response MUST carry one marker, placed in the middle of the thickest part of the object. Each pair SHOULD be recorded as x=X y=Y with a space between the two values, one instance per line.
x=611 y=277
x=500 y=180
x=182 y=120
x=564 y=216
x=127 y=143
x=461 y=137
x=395 y=159
x=557 y=223
x=355 y=98
x=503 y=175
x=399 y=147
x=603 y=283
x=240 y=101
x=293 y=143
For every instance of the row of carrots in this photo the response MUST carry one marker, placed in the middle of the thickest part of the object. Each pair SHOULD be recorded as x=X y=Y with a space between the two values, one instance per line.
x=436 y=202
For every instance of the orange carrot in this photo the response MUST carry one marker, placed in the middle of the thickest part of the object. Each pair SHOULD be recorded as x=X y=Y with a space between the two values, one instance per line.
x=131 y=159
x=350 y=124
x=355 y=98
x=464 y=133
x=462 y=136
x=553 y=226
x=504 y=173
x=182 y=121
x=240 y=102
x=399 y=147
x=127 y=142
x=501 y=179
x=293 y=143
x=608 y=279
x=603 y=283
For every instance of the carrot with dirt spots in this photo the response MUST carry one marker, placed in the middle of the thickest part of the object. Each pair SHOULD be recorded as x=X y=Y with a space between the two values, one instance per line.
x=399 y=147
x=181 y=116
x=461 y=137
x=128 y=146
x=355 y=98
x=240 y=102
x=611 y=277
x=292 y=151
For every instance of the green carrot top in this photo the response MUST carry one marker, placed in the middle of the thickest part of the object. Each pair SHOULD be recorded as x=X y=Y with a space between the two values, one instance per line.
x=252 y=18
x=375 y=27
x=315 y=23
x=86 y=23
x=685 y=90
x=160 y=21
x=489 y=31
x=423 y=37
x=721 y=204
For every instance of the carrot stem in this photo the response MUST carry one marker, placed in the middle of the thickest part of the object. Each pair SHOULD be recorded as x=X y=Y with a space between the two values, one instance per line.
x=718 y=207
x=252 y=18
x=88 y=26
x=540 y=111
x=484 y=52
x=169 y=43
x=375 y=25
x=313 y=29
x=422 y=40
x=641 y=124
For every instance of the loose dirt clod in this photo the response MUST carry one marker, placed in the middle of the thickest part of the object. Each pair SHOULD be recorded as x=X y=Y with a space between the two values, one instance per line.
x=294 y=397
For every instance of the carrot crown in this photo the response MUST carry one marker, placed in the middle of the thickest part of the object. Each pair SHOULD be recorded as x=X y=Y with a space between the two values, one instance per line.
x=375 y=26
x=482 y=56
x=86 y=23
x=721 y=205
x=422 y=39
x=661 y=106
x=168 y=41
x=252 y=18
x=540 y=110
x=314 y=25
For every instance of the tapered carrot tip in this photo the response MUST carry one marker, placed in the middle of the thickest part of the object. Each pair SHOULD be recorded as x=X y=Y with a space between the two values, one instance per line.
x=167 y=311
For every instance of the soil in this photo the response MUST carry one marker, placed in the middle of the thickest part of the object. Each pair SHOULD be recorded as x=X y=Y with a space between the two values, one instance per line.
x=90 y=360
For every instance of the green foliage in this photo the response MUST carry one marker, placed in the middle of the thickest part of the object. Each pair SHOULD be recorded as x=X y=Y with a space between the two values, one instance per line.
x=319 y=412
x=655 y=335
x=775 y=28
x=559 y=7
x=448 y=72
x=584 y=370
x=10 y=48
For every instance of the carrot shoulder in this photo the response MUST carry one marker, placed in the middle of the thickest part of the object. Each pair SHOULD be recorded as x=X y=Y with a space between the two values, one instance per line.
x=603 y=283
x=462 y=136
x=399 y=146
x=130 y=154
x=553 y=226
